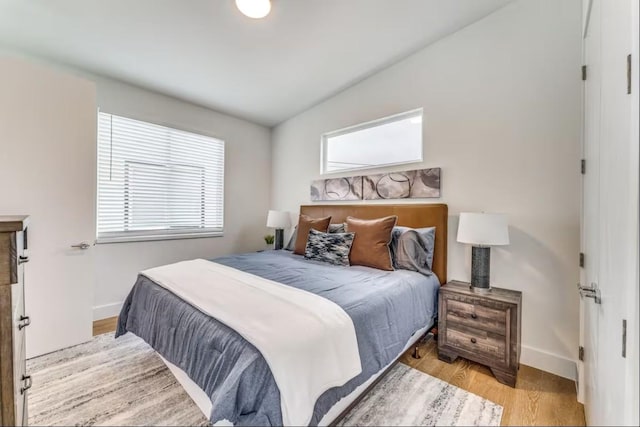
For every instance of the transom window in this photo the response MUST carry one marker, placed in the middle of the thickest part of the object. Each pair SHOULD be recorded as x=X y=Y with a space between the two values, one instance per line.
x=388 y=141
x=155 y=182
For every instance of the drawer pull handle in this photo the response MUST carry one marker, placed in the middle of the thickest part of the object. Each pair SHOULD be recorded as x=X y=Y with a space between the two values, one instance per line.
x=27 y=383
x=474 y=316
x=24 y=322
x=473 y=340
x=22 y=259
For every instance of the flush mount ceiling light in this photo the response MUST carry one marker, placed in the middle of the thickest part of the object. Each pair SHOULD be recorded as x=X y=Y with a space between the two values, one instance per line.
x=254 y=8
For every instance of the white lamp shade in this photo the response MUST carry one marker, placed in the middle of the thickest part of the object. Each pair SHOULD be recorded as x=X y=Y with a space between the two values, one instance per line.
x=278 y=219
x=483 y=229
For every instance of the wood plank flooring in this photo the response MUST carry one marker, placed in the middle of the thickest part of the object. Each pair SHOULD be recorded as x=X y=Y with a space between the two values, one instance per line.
x=105 y=325
x=540 y=398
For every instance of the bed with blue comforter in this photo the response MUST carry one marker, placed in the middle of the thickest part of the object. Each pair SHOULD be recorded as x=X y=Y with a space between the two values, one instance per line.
x=386 y=307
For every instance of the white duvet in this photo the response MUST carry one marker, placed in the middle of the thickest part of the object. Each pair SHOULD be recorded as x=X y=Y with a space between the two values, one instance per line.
x=308 y=341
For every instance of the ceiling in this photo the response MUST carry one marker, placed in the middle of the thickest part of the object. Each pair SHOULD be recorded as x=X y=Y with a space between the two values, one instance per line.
x=208 y=53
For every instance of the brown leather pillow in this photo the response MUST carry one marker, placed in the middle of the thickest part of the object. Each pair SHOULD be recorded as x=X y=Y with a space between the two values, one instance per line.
x=371 y=243
x=306 y=223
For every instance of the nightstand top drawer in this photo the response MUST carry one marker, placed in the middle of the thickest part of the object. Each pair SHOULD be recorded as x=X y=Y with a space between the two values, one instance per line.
x=496 y=294
x=477 y=316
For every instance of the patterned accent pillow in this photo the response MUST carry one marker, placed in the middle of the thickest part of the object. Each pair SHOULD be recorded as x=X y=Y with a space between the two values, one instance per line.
x=332 y=248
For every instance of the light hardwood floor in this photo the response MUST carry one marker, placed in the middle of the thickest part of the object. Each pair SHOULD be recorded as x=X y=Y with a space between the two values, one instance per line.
x=105 y=325
x=539 y=398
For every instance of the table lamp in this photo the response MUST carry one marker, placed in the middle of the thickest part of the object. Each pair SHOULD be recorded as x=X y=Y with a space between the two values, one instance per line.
x=278 y=220
x=482 y=230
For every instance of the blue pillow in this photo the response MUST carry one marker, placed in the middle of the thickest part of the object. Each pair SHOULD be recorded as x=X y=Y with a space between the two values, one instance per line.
x=292 y=240
x=332 y=248
x=336 y=228
x=412 y=248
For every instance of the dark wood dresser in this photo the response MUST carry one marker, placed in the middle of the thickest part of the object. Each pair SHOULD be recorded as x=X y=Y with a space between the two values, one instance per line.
x=483 y=327
x=14 y=382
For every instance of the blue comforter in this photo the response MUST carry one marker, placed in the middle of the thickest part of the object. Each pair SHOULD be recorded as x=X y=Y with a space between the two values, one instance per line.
x=386 y=307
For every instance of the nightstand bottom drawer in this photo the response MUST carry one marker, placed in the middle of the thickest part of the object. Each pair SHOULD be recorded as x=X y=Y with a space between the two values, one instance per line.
x=480 y=343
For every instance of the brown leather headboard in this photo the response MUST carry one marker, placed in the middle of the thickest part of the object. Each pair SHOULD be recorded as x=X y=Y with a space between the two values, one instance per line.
x=409 y=215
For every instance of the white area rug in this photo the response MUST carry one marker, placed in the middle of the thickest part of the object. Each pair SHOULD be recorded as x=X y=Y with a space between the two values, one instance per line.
x=123 y=382
x=408 y=397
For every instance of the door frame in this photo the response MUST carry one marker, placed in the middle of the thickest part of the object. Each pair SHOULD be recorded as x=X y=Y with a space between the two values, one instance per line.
x=632 y=392
x=580 y=388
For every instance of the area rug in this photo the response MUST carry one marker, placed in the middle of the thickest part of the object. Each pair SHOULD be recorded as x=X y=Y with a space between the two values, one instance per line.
x=123 y=382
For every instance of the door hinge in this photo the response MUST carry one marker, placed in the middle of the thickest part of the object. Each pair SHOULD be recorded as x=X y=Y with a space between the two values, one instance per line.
x=581 y=353
x=583 y=166
x=584 y=72
x=582 y=259
x=624 y=338
x=628 y=74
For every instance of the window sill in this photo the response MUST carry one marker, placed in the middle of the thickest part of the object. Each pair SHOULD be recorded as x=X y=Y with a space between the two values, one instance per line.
x=157 y=237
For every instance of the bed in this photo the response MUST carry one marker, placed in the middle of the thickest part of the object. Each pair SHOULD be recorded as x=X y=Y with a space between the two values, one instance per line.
x=230 y=380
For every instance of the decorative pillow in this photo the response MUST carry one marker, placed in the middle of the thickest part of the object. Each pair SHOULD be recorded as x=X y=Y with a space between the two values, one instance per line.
x=371 y=243
x=412 y=248
x=332 y=248
x=333 y=228
x=292 y=240
x=306 y=223
x=336 y=228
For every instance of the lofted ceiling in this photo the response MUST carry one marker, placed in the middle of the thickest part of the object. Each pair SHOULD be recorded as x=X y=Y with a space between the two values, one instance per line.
x=208 y=53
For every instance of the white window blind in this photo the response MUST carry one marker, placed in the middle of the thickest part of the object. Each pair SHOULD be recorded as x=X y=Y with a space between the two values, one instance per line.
x=157 y=182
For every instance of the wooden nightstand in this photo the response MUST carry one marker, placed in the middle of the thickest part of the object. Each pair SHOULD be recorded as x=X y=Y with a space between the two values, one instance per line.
x=484 y=328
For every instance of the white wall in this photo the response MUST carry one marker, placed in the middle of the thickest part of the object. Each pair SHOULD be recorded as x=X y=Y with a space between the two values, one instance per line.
x=502 y=115
x=247 y=187
x=247 y=190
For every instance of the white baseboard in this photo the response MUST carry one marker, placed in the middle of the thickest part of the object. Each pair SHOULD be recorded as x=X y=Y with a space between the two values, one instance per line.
x=548 y=362
x=107 y=310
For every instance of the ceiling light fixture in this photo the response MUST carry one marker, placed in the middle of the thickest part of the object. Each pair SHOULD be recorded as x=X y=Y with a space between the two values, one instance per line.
x=255 y=9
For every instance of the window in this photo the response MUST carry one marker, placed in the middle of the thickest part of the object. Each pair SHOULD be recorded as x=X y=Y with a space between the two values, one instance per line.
x=391 y=140
x=155 y=182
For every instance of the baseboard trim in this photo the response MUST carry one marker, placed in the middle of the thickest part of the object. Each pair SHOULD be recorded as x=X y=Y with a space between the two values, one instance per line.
x=549 y=362
x=107 y=310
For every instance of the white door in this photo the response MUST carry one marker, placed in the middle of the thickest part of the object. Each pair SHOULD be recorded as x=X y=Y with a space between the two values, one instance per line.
x=610 y=213
x=591 y=204
x=47 y=170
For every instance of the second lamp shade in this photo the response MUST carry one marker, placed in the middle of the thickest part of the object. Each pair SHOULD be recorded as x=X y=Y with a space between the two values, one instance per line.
x=483 y=229
x=278 y=219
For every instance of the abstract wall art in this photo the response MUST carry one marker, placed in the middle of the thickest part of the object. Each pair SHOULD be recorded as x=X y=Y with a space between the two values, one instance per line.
x=347 y=188
x=414 y=184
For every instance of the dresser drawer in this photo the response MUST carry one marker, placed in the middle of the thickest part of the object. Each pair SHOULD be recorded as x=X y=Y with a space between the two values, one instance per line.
x=20 y=395
x=477 y=342
x=13 y=381
x=477 y=316
x=19 y=353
